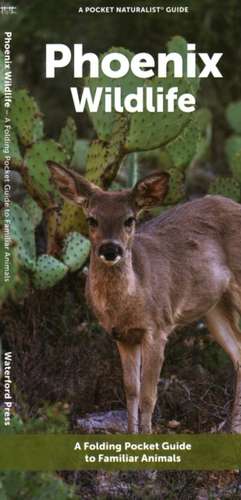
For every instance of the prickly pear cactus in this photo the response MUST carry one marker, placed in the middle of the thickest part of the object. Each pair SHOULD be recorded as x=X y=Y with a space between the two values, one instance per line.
x=76 y=250
x=16 y=286
x=150 y=130
x=14 y=151
x=26 y=118
x=233 y=115
x=231 y=186
x=48 y=272
x=146 y=130
x=104 y=122
x=37 y=171
x=33 y=210
x=193 y=141
x=176 y=192
x=233 y=152
x=183 y=148
x=226 y=186
x=68 y=137
x=103 y=161
x=22 y=236
x=80 y=154
x=178 y=134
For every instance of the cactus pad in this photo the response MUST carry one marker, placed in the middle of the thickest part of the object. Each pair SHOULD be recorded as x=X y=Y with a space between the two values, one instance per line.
x=26 y=118
x=233 y=114
x=22 y=235
x=76 y=250
x=34 y=212
x=18 y=284
x=176 y=190
x=48 y=272
x=14 y=151
x=104 y=122
x=68 y=136
x=233 y=152
x=183 y=148
x=226 y=186
x=80 y=154
x=37 y=170
x=104 y=159
x=150 y=130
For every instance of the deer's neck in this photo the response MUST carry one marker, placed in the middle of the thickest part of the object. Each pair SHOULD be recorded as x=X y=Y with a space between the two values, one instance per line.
x=120 y=277
x=111 y=289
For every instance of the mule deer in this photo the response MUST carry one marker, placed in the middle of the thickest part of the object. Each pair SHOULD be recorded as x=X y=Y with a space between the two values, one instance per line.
x=172 y=270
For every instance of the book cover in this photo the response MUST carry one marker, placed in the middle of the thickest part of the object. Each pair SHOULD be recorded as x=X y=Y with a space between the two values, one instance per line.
x=120 y=291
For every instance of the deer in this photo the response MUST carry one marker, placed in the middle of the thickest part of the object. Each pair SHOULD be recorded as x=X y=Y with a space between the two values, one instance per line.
x=147 y=280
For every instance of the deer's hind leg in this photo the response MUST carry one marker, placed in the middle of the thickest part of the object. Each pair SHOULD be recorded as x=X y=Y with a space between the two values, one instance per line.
x=223 y=324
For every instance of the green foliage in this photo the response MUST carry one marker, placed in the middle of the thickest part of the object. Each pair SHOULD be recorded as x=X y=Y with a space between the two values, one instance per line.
x=51 y=419
x=33 y=486
x=16 y=426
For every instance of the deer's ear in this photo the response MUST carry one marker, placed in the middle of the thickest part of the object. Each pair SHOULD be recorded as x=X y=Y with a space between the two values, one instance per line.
x=151 y=191
x=72 y=186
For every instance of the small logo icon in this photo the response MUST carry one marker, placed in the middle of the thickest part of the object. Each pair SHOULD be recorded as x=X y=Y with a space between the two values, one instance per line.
x=6 y=9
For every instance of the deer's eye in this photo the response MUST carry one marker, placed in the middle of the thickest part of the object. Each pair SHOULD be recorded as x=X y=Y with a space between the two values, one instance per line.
x=92 y=222
x=129 y=222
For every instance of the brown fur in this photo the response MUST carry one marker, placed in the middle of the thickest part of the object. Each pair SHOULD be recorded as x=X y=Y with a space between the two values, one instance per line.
x=176 y=268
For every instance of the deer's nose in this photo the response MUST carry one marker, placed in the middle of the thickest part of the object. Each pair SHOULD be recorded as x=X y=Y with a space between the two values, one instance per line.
x=110 y=251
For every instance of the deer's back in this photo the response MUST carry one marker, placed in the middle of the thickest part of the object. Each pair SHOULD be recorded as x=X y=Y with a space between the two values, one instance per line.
x=191 y=254
x=212 y=219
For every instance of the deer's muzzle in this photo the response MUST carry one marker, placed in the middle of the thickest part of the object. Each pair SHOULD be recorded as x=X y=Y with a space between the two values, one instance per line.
x=110 y=252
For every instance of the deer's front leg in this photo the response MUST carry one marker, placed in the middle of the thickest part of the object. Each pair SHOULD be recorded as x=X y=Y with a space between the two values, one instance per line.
x=152 y=357
x=131 y=364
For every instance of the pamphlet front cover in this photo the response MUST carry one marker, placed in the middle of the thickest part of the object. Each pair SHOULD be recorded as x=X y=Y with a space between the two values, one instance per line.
x=120 y=290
